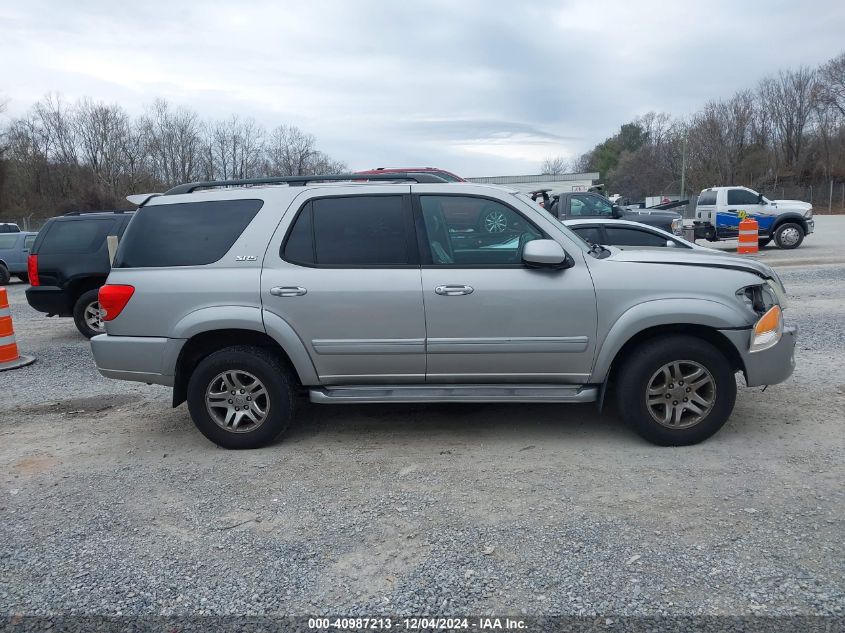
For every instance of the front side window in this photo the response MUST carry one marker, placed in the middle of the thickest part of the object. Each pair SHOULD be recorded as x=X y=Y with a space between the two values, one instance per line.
x=589 y=206
x=186 y=234
x=741 y=196
x=618 y=236
x=351 y=231
x=470 y=231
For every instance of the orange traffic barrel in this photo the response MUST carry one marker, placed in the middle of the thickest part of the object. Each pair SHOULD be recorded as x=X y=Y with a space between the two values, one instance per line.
x=9 y=356
x=749 y=240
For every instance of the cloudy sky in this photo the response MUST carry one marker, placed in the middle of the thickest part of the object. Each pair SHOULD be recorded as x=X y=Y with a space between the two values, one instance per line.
x=478 y=87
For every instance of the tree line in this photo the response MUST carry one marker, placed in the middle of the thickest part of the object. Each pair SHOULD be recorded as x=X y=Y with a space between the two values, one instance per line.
x=786 y=134
x=87 y=155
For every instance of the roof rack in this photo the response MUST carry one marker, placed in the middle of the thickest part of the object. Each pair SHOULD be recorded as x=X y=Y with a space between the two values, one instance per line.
x=118 y=211
x=300 y=181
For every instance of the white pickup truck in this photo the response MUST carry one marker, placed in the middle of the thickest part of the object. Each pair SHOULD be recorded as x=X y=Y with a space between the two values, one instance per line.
x=720 y=210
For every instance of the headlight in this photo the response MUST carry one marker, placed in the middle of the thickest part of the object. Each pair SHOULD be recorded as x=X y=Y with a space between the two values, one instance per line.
x=809 y=213
x=678 y=226
x=759 y=298
x=767 y=331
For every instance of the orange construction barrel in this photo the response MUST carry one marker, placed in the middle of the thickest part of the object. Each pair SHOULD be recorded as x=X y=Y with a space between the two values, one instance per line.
x=749 y=240
x=9 y=356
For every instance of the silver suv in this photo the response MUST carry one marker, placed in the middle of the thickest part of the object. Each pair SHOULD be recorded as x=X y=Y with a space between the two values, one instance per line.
x=241 y=295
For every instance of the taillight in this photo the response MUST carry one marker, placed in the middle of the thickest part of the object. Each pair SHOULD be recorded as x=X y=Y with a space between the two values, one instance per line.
x=113 y=299
x=32 y=270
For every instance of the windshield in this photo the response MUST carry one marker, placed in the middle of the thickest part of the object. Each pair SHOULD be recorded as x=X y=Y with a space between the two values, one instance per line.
x=569 y=232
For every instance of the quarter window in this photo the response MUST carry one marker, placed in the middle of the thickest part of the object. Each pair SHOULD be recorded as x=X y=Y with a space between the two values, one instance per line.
x=351 y=231
x=187 y=234
x=76 y=236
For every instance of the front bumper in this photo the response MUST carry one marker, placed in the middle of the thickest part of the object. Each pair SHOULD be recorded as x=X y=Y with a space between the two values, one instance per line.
x=811 y=225
x=139 y=358
x=49 y=299
x=770 y=366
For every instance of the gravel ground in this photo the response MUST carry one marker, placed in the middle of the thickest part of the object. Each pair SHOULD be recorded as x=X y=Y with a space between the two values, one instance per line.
x=112 y=503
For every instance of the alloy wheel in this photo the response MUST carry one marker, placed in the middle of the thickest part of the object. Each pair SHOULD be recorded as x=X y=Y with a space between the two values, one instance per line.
x=680 y=394
x=237 y=401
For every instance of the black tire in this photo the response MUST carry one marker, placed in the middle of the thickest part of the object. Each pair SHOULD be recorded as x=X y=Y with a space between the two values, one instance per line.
x=645 y=362
x=5 y=277
x=787 y=229
x=24 y=277
x=86 y=300
x=763 y=242
x=263 y=365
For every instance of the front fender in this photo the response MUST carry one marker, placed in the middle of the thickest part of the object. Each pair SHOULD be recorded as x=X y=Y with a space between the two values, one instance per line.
x=669 y=312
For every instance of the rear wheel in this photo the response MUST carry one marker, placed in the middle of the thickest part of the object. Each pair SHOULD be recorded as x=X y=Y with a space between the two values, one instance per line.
x=789 y=235
x=23 y=277
x=676 y=391
x=241 y=397
x=4 y=275
x=87 y=314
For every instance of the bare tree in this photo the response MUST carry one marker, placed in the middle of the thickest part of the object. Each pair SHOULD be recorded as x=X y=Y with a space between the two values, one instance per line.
x=555 y=165
x=790 y=97
x=832 y=84
x=234 y=149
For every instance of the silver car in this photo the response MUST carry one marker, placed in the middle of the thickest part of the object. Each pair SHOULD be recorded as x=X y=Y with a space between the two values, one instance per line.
x=243 y=295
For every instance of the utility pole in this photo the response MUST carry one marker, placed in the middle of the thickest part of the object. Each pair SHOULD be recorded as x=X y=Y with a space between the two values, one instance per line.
x=683 y=165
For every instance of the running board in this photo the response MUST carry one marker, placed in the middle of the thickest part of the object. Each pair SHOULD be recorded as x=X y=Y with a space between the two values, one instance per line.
x=454 y=393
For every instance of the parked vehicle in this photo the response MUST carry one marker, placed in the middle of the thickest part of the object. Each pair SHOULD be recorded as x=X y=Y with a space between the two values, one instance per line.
x=241 y=298
x=9 y=227
x=720 y=210
x=577 y=205
x=69 y=261
x=14 y=250
x=625 y=234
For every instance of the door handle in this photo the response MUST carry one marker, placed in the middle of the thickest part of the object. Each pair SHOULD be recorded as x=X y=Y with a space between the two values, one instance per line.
x=287 y=291
x=453 y=291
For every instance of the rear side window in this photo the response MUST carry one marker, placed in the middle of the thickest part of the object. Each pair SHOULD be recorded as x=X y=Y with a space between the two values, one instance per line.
x=28 y=241
x=707 y=197
x=76 y=236
x=351 y=231
x=7 y=240
x=187 y=234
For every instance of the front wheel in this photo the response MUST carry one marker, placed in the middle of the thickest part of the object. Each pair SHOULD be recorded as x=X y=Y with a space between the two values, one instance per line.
x=241 y=397
x=763 y=242
x=676 y=391
x=493 y=221
x=87 y=314
x=789 y=235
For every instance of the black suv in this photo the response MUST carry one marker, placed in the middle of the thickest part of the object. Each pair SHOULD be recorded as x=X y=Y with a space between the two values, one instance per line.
x=68 y=263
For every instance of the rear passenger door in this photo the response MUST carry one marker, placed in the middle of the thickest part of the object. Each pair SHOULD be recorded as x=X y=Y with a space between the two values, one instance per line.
x=343 y=271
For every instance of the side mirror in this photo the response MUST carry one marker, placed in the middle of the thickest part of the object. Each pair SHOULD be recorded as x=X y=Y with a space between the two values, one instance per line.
x=760 y=199
x=670 y=244
x=545 y=254
x=616 y=211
